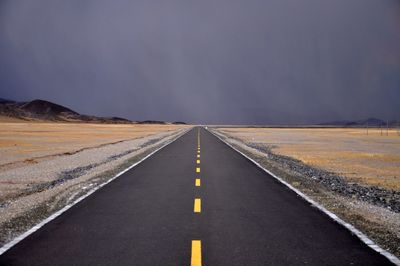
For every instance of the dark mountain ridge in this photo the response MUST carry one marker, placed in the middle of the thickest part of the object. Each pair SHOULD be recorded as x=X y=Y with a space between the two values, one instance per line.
x=41 y=110
x=370 y=122
x=2 y=100
x=41 y=107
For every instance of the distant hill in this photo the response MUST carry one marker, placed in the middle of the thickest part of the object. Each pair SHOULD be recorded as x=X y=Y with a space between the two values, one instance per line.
x=45 y=109
x=155 y=122
x=41 y=110
x=371 y=122
x=5 y=101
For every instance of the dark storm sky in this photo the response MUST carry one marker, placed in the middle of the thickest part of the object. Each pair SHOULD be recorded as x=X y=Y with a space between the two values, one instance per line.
x=208 y=61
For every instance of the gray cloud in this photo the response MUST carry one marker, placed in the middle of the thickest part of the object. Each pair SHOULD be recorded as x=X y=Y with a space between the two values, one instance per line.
x=220 y=61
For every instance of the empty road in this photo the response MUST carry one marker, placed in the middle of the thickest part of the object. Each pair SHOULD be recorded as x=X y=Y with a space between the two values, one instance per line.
x=196 y=202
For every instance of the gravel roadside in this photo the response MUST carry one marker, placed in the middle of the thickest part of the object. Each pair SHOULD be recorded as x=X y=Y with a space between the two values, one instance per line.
x=31 y=193
x=374 y=211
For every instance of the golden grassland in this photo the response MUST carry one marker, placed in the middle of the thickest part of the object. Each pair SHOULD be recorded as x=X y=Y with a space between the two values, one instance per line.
x=372 y=159
x=24 y=141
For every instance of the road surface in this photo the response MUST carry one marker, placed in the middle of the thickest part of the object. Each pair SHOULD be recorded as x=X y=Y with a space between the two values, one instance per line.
x=196 y=202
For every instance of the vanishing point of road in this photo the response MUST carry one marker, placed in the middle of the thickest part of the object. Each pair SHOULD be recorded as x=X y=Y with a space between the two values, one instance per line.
x=195 y=202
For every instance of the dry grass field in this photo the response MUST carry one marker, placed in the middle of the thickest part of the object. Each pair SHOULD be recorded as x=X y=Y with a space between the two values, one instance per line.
x=367 y=159
x=27 y=142
x=44 y=166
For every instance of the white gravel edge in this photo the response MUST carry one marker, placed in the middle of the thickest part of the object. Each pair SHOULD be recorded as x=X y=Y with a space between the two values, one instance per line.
x=348 y=226
x=21 y=237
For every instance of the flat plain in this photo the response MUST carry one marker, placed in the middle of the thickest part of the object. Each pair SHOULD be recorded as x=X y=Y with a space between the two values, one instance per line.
x=372 y=159
x=28 y=142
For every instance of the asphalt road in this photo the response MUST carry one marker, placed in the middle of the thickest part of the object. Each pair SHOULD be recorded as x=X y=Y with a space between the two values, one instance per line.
x=148 y=216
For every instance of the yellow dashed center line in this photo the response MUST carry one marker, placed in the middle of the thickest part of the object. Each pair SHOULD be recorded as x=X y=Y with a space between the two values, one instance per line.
x=197 y=205
x=196 y=253
x=196 y=244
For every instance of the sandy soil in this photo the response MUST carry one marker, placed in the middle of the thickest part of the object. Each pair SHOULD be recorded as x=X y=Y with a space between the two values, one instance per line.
x=366 y=159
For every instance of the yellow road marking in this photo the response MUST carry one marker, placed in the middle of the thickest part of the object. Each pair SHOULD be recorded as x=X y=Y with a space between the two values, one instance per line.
x=197 y=169
x=197 y=205
x=198 y=161
x=198 y=155
x=196 y=253
x=198 y=151
x=197 y=182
